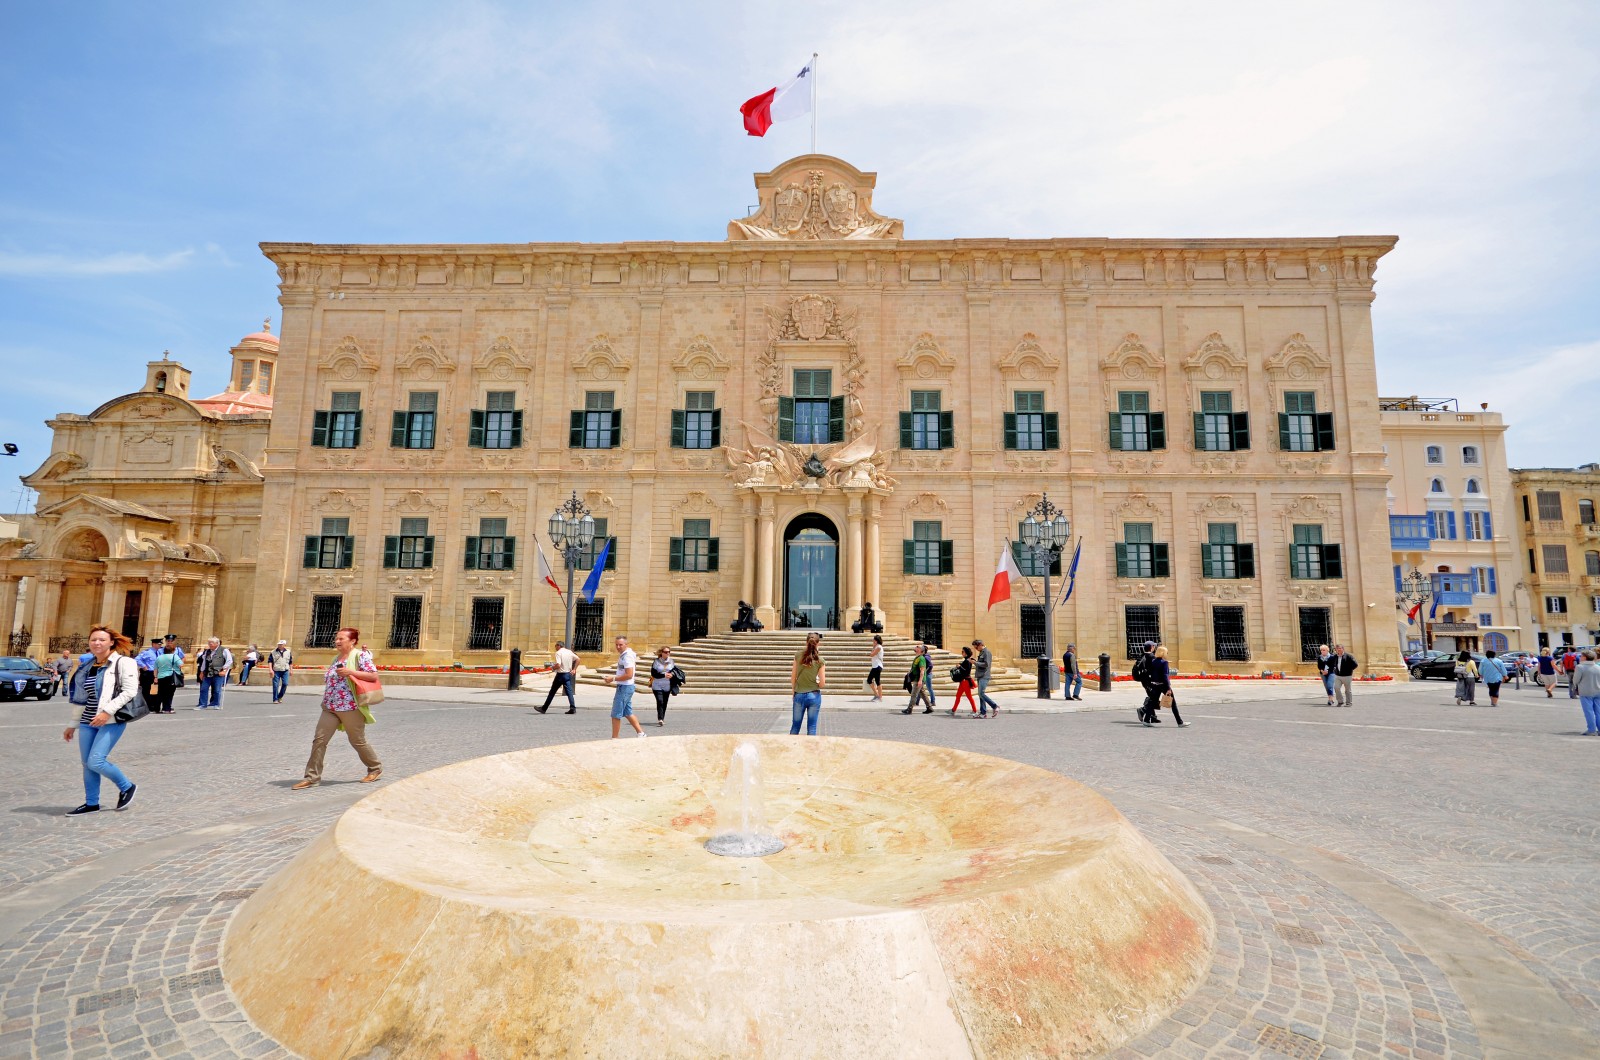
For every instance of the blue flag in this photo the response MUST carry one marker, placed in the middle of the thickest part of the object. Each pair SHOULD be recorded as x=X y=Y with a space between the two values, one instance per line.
x=1434 y=610
x=591 y=584
x=1072 y=571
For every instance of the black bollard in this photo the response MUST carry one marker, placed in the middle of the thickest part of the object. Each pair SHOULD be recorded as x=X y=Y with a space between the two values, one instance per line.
x=514 y=675
x=1105 y=672
x=1044 y=677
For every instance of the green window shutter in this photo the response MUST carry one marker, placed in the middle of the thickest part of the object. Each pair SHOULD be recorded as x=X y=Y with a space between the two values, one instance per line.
x=1205 y=562
x=1160 y=562
x=427 y=552
x=611 y=554
x=1245 y=560
x=472 y=553
x=908 y=557
x=947 y=430
x=355 y=442
x=1116 y=430
x=348 y=557
x=511 y=554
x=1324 y=431
x=679 y=428
x=1283 y=431
x=1332 y=561
x=1122 y=560
x=785 y=419
x=616 y=428
x=516 y=429
x=475 y=428
x=1158 y=430
x=313 y=552
x=836 y=419
x=1241 y=430
x=575 y=429
x=1199 y=432
x=397 y=432
x=947 y=557
x=712 y=553
x=391 y=552
x=1011 y=430
x=674 y=553
x=1052 y=430
x=905 y=430
x=716 y=428
x=319 y=428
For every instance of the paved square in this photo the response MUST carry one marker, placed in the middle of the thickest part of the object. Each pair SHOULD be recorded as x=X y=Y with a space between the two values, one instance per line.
x=1405 y=878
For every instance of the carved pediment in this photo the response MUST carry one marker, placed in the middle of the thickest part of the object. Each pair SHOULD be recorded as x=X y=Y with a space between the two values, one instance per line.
x=700 y=359
x=57 y=466
x=339 y=501
x=424 y=359
x=1212 y=354
x=417 y=502
x=815 y=197
x=925 y=359
x=1029 y=360
x=810 y=318
x=348 y=358
x=1132 y=359
x=600 y=360
x=501 y=359
x=1297 y=357
x=228 y=461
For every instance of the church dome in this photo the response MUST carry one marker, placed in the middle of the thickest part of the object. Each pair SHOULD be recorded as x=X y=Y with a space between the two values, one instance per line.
x=263 y=338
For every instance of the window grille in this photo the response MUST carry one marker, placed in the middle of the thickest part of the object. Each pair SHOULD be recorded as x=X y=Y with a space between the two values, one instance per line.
x=1141 y=623
x=1228 y=639
x=1032 y=619
x=1316 y=629
x=488 y=622
x=589 y=626
x=327 y=615
x=927 y=623
x=405 y=623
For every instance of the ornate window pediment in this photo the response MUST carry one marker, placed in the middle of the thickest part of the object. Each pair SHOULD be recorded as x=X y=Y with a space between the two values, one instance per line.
x=501 y=360
x=1214 y=356
x=600 y=360
x=700 y=359
x=1132 y=359
x=1298 y=358
x=349 y=358
x=424 y=359
x=1028 y=360
x=925 y=359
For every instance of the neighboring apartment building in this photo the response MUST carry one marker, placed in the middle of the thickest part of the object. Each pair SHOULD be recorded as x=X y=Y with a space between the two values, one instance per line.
x=1452 y=527
x=1562 y=558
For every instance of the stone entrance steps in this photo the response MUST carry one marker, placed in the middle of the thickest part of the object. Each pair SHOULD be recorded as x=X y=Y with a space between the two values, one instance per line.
x=759 y=663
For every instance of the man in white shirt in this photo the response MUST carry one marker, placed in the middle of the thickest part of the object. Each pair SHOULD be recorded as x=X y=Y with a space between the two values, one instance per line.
x=280 y=660
x=622 y=681
x=566 y=673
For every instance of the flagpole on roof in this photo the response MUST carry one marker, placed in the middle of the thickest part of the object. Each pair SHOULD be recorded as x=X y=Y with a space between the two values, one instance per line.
x=813 y=102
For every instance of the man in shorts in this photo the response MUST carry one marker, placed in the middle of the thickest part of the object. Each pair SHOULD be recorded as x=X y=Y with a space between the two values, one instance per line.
x=622 y=681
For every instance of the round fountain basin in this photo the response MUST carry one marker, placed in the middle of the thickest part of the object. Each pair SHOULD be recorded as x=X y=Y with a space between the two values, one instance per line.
x=560 y=901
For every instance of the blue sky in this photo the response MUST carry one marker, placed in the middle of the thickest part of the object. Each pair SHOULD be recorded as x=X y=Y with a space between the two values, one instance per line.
x=149 y=148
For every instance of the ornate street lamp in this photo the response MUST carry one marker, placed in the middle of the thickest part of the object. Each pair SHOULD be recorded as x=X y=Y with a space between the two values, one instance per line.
x=572 y=534
x=1415 y=590
x=1045 y=534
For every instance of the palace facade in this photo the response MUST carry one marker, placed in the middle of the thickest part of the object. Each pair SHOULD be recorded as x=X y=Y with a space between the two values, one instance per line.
x=816 y=412
x=1556 y=507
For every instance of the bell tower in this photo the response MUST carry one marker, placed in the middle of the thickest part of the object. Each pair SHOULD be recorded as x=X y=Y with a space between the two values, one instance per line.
x=166 y=376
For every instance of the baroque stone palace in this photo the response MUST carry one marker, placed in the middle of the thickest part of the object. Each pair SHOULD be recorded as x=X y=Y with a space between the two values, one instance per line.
x=817 y=412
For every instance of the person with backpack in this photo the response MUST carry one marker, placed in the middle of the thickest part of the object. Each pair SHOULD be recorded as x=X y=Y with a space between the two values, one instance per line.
x=961 y=674
x=1144 y=673
x=1569 y=666
x=1466 y=680
x=919 y=682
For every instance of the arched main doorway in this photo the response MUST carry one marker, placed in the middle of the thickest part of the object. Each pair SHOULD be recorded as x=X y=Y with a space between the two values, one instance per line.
x=810 y=573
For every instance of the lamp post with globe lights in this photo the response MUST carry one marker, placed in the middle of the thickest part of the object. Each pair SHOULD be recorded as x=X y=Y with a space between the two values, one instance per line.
x=572 y=533
x=1045 y=533
x=1415 y=590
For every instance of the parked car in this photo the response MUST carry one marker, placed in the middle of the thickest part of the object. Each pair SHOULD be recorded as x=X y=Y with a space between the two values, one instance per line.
x=1443 y=665
x=20 y=678
x=1413 y=658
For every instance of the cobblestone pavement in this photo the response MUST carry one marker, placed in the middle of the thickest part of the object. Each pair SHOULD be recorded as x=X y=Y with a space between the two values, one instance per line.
x=1405 y=878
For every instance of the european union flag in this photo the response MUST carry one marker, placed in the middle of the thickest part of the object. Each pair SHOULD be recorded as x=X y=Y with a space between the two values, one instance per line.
x=1072 y=572
x=591 y=584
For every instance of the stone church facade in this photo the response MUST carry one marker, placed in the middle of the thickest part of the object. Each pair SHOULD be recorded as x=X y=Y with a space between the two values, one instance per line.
x=817 y=412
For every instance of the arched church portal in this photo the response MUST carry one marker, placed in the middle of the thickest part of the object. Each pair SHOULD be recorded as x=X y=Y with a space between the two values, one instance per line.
x=810 y=573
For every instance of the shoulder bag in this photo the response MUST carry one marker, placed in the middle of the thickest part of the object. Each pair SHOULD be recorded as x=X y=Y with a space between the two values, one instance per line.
x=364 y=686
x=135 y=708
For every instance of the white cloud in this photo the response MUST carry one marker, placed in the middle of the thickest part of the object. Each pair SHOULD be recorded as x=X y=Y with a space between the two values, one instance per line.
x=1548 y=398
x=51 y=266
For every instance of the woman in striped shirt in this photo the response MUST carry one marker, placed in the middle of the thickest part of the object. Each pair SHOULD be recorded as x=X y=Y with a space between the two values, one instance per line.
x=106 y=680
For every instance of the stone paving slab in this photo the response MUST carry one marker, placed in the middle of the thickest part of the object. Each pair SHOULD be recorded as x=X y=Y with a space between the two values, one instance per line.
x=110 y=924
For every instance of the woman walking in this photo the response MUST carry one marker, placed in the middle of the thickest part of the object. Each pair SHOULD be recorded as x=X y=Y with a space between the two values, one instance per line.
x=964 y=681
x=807 y=678
x=104 y=682
x=661 y=682
x=1325 y=668
x=1466 y=680
x=1494 y=674
x=169 y=668
x=1161 y=675
x=339 y=710
x=1547 y=673
x=875 y=674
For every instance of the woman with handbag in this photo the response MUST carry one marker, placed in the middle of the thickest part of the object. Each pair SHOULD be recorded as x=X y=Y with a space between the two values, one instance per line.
x=961 y=674
x=661 y=682
x=341 y=710
x=1466 y=680
x=95 y=703
x=1161 y=683
x=169 y=671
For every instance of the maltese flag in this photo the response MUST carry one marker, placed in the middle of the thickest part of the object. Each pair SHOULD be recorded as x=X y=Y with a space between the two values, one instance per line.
x=1003 y=577
x=789 y=100
x=545 y=573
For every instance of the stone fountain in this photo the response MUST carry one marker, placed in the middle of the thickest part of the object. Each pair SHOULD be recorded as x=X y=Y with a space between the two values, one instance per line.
x=561 y=902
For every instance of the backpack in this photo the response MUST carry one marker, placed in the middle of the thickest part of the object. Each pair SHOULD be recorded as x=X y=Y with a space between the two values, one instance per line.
x=1141 y=668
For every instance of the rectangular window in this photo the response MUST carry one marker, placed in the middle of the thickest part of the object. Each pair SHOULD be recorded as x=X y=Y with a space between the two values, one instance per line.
x=1442 y=525
x=327 y=615
x=696 y=550
x=1477 y=526
x=333 y=548
x=1301 y=428
x=698 y=425
x=1139 y=555
x=601 y=536
x=813 y=390
x=411 y=549
x=1141 y=623
x=1594 y=604
x=926 y=552
x=1223 y=557
x=598 y=425
x=1555 y=558
x=265 y=384
x=339 y=425
x=1316 y=629
x=247 y=374
x=491 y=549
x=1032 y=565
x=1028 y=426
x=488 y=623
x=1485 y=618
x=1555 y=605
x=1484 y=581
x=414 y=428
x=1591 y=564
x=1134 y=428
x=927 y=623
x=1032 y=631
x=405 y=623
x=1217 y=428
x=498 y=425
x=1309 y=558
x=1549 y=505
x=1228 y=642
x=589 y=626
x=926 y=426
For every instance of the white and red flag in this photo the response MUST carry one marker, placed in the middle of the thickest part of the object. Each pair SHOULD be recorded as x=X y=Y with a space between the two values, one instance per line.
x=788 y=100
x=1004 y=577
x=544 y=568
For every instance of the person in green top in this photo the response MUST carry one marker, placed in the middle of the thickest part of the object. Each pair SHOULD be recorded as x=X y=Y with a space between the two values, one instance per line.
x=169 y=666
x=808 y=677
